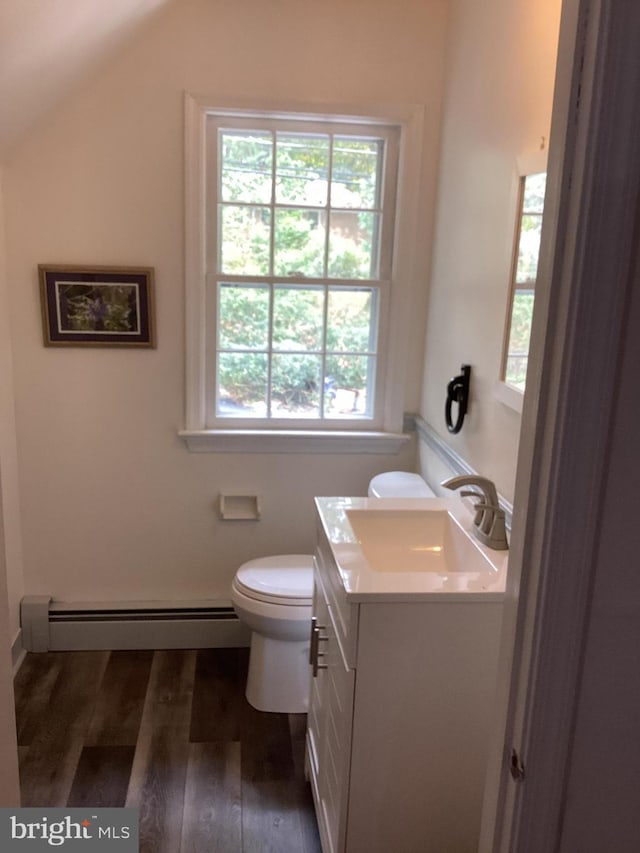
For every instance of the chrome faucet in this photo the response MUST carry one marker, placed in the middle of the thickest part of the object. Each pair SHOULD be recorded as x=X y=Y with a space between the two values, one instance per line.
x=488 y=523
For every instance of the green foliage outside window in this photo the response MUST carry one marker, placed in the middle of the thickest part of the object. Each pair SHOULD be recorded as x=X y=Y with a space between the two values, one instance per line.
x=528 y=251
x=318 y=200
x=296 y=342
x=520 y=333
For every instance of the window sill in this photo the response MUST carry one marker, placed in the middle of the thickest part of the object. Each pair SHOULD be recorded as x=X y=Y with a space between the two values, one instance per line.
x=292 y=441
x=509 y=396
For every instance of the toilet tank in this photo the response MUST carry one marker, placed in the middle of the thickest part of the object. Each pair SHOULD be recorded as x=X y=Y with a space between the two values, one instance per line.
x=399 y=484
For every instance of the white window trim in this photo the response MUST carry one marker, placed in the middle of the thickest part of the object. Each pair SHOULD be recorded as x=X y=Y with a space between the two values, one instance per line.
x=509 y=395
x=388 y=439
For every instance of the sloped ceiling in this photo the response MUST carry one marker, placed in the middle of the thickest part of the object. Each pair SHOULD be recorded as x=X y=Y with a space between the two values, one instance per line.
x=47 y=47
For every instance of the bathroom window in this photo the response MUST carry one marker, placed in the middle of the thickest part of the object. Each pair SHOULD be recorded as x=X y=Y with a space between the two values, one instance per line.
x=289 y=313
x=297 y=221
x=525 y=270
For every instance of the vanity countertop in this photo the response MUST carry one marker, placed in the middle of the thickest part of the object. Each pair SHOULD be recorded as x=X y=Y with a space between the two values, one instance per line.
x=441 y=581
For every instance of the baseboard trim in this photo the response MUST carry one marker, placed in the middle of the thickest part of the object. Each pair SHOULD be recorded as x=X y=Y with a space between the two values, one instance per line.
x=159 y=634
x=93 y=626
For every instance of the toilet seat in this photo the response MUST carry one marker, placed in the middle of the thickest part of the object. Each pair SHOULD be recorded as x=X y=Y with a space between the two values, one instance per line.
x=284 y=579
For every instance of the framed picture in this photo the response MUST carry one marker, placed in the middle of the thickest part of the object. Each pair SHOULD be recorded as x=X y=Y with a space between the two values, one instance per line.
x=97 y=306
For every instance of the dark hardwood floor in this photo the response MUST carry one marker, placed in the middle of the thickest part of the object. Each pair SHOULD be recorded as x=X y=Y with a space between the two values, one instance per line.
x=169 y=732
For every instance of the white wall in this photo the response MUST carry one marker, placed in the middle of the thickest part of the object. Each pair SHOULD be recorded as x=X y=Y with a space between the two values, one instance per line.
x=47 y=49
x=113 y=505
x=500 y=72
x=9 y=786
x=9 y=552
x=10 y=535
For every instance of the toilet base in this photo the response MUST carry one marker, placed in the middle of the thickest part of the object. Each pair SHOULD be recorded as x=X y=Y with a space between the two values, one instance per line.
x=279 y=675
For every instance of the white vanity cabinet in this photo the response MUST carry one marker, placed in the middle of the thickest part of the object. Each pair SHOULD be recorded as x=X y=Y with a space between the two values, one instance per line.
x=399 y=716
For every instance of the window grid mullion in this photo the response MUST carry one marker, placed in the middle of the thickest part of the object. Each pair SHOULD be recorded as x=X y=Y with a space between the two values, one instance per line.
x=325 y=311
x=327 y=225
x=270 y=349
x=314 y=208
x=272 y=241
x=272 y=228
x=323 y=372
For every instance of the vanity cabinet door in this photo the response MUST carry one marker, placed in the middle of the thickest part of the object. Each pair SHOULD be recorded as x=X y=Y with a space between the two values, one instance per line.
x=422 y=717
x=329 y=726
x=317 y=717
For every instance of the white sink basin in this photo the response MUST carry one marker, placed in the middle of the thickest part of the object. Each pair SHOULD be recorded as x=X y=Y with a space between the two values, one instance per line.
x=415 y=540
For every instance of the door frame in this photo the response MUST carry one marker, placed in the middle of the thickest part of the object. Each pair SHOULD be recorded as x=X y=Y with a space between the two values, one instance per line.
x=588 y=256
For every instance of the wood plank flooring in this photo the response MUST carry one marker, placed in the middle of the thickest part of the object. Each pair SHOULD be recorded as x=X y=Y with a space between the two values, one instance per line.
x=171 y=733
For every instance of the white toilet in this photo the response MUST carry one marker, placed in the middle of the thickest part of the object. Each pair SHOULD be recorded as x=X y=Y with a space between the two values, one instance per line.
x=273 y=597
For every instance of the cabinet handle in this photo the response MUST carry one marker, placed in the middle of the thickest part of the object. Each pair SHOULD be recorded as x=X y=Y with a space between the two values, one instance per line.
x=314 y=653
x=313 y=642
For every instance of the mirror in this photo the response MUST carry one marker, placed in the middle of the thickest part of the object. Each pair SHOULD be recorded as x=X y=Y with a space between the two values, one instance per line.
x=531 y=192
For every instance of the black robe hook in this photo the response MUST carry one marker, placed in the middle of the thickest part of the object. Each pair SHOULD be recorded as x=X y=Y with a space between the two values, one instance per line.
x=458 y=392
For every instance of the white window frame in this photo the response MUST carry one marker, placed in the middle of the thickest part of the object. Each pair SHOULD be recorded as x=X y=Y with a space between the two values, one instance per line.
x=386 y=436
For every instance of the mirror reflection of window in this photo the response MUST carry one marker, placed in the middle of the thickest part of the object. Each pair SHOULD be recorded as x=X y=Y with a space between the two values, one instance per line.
x=525 y=270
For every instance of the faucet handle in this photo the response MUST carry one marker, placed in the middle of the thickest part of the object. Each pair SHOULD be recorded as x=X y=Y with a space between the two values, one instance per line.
x=487 y=515
x=478 y=507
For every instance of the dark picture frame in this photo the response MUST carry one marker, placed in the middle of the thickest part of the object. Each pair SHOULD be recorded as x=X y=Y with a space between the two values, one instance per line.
x=97 y=306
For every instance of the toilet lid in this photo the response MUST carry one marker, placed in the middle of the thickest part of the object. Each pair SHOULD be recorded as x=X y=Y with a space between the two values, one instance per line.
x=285 y=579
x=399 y=484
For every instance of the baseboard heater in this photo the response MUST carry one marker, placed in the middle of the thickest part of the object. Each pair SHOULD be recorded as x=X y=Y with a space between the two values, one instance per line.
x=49 y=625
